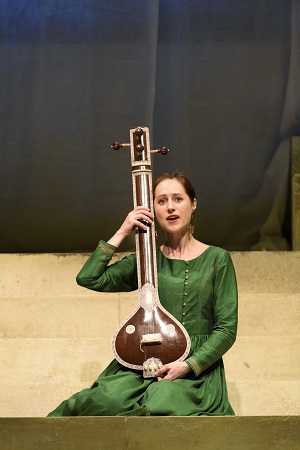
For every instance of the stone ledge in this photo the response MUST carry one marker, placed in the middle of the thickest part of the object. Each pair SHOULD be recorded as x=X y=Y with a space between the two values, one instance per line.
x=151 y=433
x=99 y=317
x=248 y=398
x=35 y=275
x=79 y=359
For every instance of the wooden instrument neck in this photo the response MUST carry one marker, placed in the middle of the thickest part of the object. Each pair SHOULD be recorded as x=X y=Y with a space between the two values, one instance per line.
x=151 y=336
x=143 y=196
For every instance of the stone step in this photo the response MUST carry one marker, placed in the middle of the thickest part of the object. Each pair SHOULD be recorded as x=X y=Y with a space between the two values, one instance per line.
x=66 y=316
x=267 y=272
x=56 y=336
x=248 y=398
x=267 y=314
x=36 y=275
x=82 y=359
x=99 y=315
x=150 y=433
x=263 y=358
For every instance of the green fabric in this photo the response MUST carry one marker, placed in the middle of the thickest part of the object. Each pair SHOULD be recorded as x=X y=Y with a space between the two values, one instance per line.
x=202 y=295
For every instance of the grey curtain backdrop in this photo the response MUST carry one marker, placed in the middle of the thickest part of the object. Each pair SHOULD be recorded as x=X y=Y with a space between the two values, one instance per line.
x=217 y=81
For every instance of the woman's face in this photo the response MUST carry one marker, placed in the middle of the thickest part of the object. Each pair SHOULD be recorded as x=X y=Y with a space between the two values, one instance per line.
x=173 y=207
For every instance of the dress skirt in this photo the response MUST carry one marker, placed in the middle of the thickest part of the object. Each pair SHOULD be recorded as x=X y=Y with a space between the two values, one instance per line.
x=119 y=391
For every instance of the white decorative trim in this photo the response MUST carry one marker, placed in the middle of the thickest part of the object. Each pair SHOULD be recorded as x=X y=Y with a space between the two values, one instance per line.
x=170 y=328
x=148 y=297
x=130 y=329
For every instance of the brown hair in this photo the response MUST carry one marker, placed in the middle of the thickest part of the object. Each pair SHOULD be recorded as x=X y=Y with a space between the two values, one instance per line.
x=179 y=176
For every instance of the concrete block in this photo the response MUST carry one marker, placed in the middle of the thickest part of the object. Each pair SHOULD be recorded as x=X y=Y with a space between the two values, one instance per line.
x=128 y=303
x=148 y=433
x=56 y=336
x=59 y=316
x=82 y=359
x=265 y=397
x=267 y=272
x=295 y=155
x=259 y=315
x=296 y=212
x=99 y=316
x=258 y=358
x=269 y=314
x=54 y=360
x=36 y=399
x=36 y=275
x=51 y=275
x=248 y=398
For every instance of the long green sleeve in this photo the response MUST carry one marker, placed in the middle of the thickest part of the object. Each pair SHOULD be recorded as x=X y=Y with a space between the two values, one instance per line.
x=224 y=315
x=98 y=275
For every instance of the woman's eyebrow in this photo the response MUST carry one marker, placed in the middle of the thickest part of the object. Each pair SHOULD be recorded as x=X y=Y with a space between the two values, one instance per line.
x=173 y=193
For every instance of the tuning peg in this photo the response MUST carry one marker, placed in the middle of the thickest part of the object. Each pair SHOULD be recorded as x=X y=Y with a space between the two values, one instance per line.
x=117 y=145
x=139 y=132
x=139 y=147
x=162 y=150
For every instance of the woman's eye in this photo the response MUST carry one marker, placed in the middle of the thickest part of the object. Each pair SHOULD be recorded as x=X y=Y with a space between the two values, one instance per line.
x=161 y=202
x=178 y=199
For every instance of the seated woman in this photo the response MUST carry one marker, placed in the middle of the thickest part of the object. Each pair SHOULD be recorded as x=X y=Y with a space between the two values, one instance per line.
x=197 y=285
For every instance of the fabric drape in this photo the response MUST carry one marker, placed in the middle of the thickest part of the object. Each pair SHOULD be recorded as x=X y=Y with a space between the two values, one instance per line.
x=215 y=81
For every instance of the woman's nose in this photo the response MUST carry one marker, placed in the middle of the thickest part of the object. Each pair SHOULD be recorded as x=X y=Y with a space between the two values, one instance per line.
x=170 y=206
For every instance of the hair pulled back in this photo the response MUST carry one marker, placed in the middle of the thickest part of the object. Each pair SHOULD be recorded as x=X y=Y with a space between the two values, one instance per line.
x=179 y=176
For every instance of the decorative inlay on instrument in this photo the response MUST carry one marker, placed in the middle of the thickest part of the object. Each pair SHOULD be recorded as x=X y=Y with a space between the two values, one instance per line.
x=151 y=336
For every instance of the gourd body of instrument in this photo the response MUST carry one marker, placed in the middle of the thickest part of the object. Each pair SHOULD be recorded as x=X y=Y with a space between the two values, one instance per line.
x=151 y=336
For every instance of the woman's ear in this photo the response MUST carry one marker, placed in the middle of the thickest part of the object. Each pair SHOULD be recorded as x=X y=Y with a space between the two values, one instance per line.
x=194 y=204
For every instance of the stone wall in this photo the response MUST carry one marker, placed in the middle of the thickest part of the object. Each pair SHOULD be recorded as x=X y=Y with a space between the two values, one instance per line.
x=56 y=336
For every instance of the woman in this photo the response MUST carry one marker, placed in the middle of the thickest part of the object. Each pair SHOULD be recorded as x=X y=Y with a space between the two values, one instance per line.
x=197 y=285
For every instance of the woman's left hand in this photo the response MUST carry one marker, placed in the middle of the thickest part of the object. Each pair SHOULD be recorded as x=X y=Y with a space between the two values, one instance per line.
x=172 y=371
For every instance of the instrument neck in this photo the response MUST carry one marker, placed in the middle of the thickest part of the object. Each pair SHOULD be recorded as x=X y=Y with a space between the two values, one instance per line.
x=143 y=196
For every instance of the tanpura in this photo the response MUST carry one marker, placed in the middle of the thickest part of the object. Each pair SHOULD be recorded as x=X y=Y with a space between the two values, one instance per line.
x=151 y=336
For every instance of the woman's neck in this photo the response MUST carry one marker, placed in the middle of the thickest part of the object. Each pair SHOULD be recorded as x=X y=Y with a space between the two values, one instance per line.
x=186 y=247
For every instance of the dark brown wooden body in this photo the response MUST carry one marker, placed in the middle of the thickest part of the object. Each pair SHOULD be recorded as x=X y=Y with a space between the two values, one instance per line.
x=149 y=317
x=171 y=349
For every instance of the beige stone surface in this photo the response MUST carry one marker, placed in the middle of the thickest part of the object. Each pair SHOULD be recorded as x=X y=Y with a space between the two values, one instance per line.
x=148 y=433
x=99 y=316
x=295 y=191
x=295 y=155
x=296 y=211
x=65 y=316
x=265 y=397
x=65 y=358
x=40 y=275
x=269 y=314
x=56 y=336
x=54 y=360
x=267 y=272
x=258 y=358
x=248 y=398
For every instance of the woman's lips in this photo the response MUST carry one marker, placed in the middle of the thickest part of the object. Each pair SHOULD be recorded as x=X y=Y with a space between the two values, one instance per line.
x=172 y=218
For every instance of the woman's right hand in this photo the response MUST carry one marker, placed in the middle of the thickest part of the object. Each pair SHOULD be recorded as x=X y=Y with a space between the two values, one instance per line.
x=133 y=219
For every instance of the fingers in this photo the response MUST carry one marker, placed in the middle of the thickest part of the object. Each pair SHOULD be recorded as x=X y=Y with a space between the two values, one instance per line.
x=172 y=371
x=134 y=218
x=144 y=211
x=160 y=372
x=140 y=215
x=163 y=373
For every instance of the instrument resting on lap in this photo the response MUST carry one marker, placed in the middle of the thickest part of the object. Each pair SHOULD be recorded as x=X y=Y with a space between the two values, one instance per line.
x=151 y=336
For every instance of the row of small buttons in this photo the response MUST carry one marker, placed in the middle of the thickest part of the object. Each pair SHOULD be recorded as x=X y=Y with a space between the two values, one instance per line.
x=185 y=293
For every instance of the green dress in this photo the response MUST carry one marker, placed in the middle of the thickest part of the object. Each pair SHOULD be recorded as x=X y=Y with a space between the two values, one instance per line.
x=202 y=295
